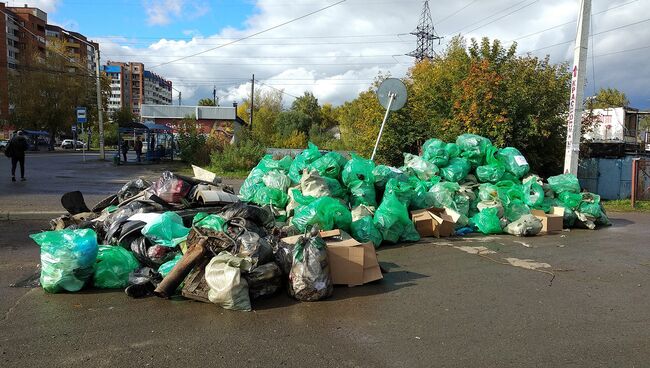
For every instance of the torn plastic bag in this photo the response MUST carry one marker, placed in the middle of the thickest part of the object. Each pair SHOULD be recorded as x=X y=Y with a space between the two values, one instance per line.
x=564 y=183
x=302 y=160
x=112 y=225
x=328 y=165
x=212 y=221
x=313 y=185
x=251 y=246
x=457 y=169
x=227 y=288
x=257 y=215
x=151 y=255
x=358 y=168
x=393 y=221
x=309 y=279
x=170 y=188
x=487 y=221
x=132 y=188
x=326 y=212
x=264 y=280
x=167 y=230
x=364 y=231
x=419 y=167
x=67 y=258
x=527 y=225
x=276 y=180
x=362 y=193
x=515 y=163
x=114 y=264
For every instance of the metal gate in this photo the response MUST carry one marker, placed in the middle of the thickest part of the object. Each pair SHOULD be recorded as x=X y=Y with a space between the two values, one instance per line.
x=640 y=180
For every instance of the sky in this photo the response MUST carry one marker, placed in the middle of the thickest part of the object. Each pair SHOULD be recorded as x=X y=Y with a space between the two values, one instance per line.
x=337 y=52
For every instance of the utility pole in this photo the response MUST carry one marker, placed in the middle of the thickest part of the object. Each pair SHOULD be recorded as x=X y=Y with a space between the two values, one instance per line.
x=214 y=95
x=574 y=122
x=426 y=34
x=100 y=115
x=252 y=100
x=180 y=100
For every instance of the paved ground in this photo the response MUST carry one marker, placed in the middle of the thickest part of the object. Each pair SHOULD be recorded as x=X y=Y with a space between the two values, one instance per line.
x=49 y=175
x=438 y=306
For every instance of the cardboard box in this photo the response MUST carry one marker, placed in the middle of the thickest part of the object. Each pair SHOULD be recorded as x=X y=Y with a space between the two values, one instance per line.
x=351 y=263
x=552 y=222
x=433 y=222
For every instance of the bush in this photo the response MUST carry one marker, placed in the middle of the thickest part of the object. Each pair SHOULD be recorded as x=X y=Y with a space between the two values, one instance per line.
x=192 y=143
x=237 y=157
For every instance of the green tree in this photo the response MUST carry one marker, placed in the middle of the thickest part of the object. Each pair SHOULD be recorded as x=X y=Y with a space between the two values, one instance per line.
x=192 y=142
x=329 y=116
x=122 y=116
x=607 y=97
x=206 y=102
x=308 y=105
x=290 y=122
x=268 y=105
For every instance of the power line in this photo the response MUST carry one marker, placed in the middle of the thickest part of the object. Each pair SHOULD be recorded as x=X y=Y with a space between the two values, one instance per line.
x=456 y=12
x=233 y=38
x=277 y=89
x=503 y=16
x=253 y=35
x=490 y=16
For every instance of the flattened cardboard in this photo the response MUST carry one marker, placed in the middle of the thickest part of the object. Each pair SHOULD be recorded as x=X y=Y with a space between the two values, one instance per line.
x=551 y=222
x=351 y=263
x=433 y=222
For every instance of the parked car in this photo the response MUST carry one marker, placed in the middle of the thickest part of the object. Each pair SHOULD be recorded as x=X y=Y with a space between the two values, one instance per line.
x=3 y=145
x=68 y=143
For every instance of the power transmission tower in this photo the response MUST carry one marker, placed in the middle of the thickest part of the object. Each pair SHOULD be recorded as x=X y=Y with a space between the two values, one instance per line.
x=426 y=35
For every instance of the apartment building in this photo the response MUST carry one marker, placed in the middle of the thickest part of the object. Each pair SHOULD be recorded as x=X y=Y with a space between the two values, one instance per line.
x=133 y=86
x=77 y=45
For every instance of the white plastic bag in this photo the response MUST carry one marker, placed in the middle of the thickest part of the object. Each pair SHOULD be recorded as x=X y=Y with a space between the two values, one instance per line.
x=227 y=288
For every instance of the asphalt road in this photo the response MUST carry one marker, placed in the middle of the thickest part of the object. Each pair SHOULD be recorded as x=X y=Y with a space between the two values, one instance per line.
x=50 y=175
x=438 y=306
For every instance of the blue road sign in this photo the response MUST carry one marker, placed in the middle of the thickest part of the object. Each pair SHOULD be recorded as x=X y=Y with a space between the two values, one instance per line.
x=81 y=115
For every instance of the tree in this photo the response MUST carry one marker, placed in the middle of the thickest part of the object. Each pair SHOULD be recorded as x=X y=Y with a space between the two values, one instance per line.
x=268 y=105
x=46 y=89
x=329 y=116
x=607 y=97
x=290 y=122
x=122 y=116
x=206 y=102
x=308 y=105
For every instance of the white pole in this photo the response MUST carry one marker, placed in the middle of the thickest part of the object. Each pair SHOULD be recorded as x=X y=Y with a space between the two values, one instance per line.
x=83 y=145
x=100 y=116
x=391 y=98
x=574 y=123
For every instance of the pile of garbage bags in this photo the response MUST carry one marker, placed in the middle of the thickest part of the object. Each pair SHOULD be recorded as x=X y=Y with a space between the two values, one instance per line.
x=157 y=238
x=489 y=189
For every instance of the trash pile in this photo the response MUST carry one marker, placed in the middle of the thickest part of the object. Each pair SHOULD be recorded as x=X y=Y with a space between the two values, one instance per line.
x=192 y=237
x=300 y=224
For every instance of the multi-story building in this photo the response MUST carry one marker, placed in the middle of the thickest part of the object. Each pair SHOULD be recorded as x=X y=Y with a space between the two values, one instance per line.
x=81 y=50
x=133 y=86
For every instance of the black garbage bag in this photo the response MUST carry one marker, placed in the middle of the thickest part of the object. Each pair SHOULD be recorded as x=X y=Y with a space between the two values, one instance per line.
x=264 y=280
x=309 y=279
x=132 y=188
x=259 y=216
x=282 y=254
x=113 y=223
x=142 y=282
x=250 y=245
x=151 y=255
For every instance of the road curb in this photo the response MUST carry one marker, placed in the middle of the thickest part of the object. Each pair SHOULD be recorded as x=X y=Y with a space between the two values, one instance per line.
x=33 y=215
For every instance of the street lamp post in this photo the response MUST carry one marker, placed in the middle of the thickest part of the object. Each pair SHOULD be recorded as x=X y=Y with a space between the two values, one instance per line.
x=100 y=116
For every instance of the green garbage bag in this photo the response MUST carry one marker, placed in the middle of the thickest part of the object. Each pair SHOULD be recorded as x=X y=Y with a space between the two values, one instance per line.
x=302 y=199
x=570 y=200
x=166 y=230
x=488 y=192
x=419 y=167
x=335 y=188
x=168 y=266
x=473 y=142
x=393 y=221
x=422 y=198
x=67 y=258
x=515 y=209
x=494 y=170
x=452 y=150
x=509 y=191
x=461 y=203
x=208 y=221
x=402 y=190
x=362 y=192
x=326 y=212
x=251 y=185
x=433 y=150
x=457 y=169
x=444 y=194
x=267 y=163
x=384 y=173
x=570 y=218
x=364 y=230
x=358 y=168
x=270 y=196
x=113 y=266
x=533 y=193
x=547 y=204
x=487 y=221
x=301 y=162
x=328 y=165
x=515 y=163
x=564 y=183
x=590 y=205
x=276 y=180
x=312 y=184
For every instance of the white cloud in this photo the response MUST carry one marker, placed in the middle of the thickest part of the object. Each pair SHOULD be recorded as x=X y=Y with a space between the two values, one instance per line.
x=337 y=53
x=48 y=6
x=162 y=12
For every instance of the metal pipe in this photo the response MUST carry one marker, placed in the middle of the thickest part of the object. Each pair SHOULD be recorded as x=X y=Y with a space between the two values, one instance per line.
x=391 y=98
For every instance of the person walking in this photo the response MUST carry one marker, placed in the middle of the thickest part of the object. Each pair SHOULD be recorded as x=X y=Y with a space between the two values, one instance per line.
x=137 y=147
x=125 y=149
x=16 y=151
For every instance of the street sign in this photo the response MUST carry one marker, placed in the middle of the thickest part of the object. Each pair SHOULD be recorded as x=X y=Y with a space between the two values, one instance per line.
x=81 y=115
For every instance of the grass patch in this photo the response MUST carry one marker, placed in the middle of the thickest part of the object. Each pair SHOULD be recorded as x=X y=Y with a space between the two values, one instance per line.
x=237 y=174
x=624 y=205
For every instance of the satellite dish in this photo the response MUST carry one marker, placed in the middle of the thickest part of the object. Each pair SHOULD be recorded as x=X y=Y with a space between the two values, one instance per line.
x=392 y=86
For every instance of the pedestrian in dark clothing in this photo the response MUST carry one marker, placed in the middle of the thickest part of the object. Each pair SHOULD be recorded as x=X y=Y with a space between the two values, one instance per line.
x=125 y=149
x=137 y=147
x=16 y=151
